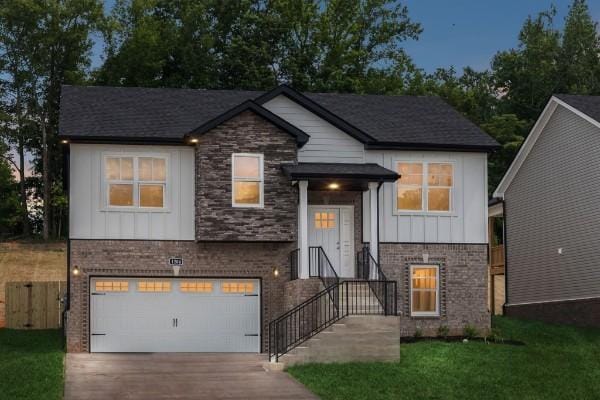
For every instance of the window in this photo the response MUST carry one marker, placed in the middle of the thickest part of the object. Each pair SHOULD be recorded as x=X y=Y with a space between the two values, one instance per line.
x=154 y=286
x=237 y=287
x=414 y=193
x=247 y=180
x=424 y=286
x=324 y=220
x=196 y=287
x=112 y=286
x=136 y=181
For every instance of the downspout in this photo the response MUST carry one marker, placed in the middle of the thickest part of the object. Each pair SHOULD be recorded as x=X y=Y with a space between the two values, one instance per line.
x=378 y=235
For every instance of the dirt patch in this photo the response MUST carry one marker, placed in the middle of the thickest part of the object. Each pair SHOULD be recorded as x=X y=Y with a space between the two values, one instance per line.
x=31 y=262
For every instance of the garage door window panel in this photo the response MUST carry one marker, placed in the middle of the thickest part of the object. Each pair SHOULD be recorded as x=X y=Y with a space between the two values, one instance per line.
x=196 y=287
x=237 y=287
x=111 y=286
x=154 y=286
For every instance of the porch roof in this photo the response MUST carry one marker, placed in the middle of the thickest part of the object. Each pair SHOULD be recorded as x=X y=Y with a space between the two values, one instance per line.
x=346 y=176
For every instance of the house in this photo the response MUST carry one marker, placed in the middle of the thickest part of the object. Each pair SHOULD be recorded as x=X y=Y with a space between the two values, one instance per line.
x=550 y=195
x=225 y=220
x=496 y=277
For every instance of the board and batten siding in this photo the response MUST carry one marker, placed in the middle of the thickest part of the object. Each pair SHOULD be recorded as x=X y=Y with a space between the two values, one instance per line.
x=90 y=219
x=466 y=223
x=551 y=204
x=327 y=143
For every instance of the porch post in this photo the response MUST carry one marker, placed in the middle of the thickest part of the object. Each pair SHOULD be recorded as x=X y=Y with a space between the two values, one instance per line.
x=374 y=237
x=303 y=229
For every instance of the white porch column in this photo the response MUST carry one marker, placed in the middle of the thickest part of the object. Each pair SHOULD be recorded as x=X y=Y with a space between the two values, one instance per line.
x=374 y=237
x=303 y=272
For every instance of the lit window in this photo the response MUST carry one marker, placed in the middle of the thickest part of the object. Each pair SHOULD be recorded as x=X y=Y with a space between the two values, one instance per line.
x=112 y=286
x=136 y=181
x=424 y=286
x=410 y=186
x=247 y=180
x=154 y=286
x=196 y=287
x=439 y=181
x=414 y=193
x=237 y=287
x=324 y=220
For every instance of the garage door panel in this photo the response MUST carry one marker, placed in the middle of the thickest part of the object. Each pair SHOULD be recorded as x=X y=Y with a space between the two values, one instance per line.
x=192 y=316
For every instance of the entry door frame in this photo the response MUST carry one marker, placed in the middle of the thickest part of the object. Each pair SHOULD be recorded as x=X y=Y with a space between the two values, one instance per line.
x=341 y=207
x=88 y=297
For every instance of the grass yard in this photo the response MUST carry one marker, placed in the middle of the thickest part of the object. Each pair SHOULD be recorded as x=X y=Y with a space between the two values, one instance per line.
x=31 y=365
x=557 y=362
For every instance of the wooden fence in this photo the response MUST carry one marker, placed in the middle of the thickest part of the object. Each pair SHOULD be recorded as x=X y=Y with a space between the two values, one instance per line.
x=34 y=305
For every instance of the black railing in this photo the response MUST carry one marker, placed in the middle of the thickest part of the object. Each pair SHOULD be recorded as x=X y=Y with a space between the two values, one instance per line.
x=367 y=268
x=327 y=307
x=320 y=266
x=294 y=261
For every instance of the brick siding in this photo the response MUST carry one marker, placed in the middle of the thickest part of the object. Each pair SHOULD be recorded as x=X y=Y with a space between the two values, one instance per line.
x=216 y=219
x=463 y=284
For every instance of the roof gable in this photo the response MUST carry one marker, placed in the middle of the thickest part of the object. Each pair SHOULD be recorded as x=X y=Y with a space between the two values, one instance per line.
x=538 y=128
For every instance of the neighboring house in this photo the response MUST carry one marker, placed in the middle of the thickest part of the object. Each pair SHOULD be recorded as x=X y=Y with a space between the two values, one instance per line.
x=496 y=259
x=260 y=197
x=550 y=195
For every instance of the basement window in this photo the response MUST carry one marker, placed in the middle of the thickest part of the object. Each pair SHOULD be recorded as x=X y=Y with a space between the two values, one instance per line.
x=425 y=290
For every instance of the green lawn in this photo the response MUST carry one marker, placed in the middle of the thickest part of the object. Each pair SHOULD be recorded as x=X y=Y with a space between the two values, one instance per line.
x=31 y=365
x=557 y=362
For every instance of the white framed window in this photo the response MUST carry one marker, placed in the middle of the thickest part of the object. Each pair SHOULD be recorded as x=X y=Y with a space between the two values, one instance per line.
x=424 y=290
x=133 y=181
x=424 y=186
x=247 y=180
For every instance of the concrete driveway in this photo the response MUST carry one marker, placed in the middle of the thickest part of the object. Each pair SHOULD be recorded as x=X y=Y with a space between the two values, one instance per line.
x=180 y=376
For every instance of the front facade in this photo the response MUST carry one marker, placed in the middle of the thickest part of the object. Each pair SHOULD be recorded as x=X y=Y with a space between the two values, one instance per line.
x=195 y=216
x=550 y=194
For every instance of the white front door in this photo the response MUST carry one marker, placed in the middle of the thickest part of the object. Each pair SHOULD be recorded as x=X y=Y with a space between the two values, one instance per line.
x=332 y=227
x=174 y=315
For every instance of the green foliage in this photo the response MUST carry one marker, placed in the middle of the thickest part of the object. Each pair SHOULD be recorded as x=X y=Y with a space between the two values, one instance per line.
x=470 y=331
x=443 y=331
x=31 y=364
x=10 y=215
x=418 y=333
x=551 y=365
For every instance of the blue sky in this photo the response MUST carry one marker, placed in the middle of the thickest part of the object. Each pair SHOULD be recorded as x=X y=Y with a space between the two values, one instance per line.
x=463 y=32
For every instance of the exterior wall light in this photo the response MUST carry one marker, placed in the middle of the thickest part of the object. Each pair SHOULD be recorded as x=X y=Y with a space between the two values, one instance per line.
x=76 y=270
x=333 y=186
x=194 y=140
x=275 y=272
x=64 y=141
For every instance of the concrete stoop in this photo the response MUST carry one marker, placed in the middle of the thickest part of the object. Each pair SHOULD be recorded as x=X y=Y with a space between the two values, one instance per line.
x=353 y=338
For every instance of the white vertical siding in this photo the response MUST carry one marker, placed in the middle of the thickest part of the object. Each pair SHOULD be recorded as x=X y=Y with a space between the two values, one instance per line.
x=89 y=218
x=465 y=224
x=327 y=143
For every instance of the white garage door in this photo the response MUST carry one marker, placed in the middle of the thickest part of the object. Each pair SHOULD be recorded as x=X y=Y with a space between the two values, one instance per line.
x=174 y=315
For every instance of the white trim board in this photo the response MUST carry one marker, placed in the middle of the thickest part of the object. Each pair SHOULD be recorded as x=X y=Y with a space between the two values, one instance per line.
x=532 y=139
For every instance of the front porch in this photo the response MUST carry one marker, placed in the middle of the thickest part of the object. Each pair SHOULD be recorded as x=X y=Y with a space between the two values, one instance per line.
x=330 y=211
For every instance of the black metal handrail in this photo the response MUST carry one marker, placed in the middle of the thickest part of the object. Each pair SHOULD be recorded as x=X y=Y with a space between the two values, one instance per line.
x=367 y=268
x=327 y=307
x=294 y=261
x=320 y=266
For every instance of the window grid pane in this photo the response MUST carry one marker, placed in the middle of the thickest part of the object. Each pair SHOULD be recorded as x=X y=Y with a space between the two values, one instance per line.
x=410 y=187
x=247 y=167
x=246 y=192
x=151 y=195
x=120 y=195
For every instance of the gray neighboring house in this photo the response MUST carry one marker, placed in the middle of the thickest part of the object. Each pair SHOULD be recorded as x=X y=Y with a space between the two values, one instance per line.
x=240 y=221
x=551 y=212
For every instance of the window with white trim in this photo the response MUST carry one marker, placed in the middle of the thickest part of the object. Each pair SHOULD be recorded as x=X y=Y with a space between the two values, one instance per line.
x=133 y=181
x=424 y=186
x=247 y=180
x=425 y=290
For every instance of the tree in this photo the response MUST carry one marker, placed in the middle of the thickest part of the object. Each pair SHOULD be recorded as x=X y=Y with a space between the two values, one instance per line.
x=527 y=76
x=10 y=213
x=579 y=57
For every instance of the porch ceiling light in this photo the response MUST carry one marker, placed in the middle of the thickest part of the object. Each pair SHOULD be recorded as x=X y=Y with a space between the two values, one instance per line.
x=333 y=186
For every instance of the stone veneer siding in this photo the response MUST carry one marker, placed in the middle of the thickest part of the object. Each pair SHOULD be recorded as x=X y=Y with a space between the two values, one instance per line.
x=149 y=259
x=463 y=284
x=216 y=219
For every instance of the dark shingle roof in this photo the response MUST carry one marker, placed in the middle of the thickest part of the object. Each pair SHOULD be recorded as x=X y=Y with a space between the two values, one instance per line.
x=339 y=170
x=589 y=105
x=140 y=113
